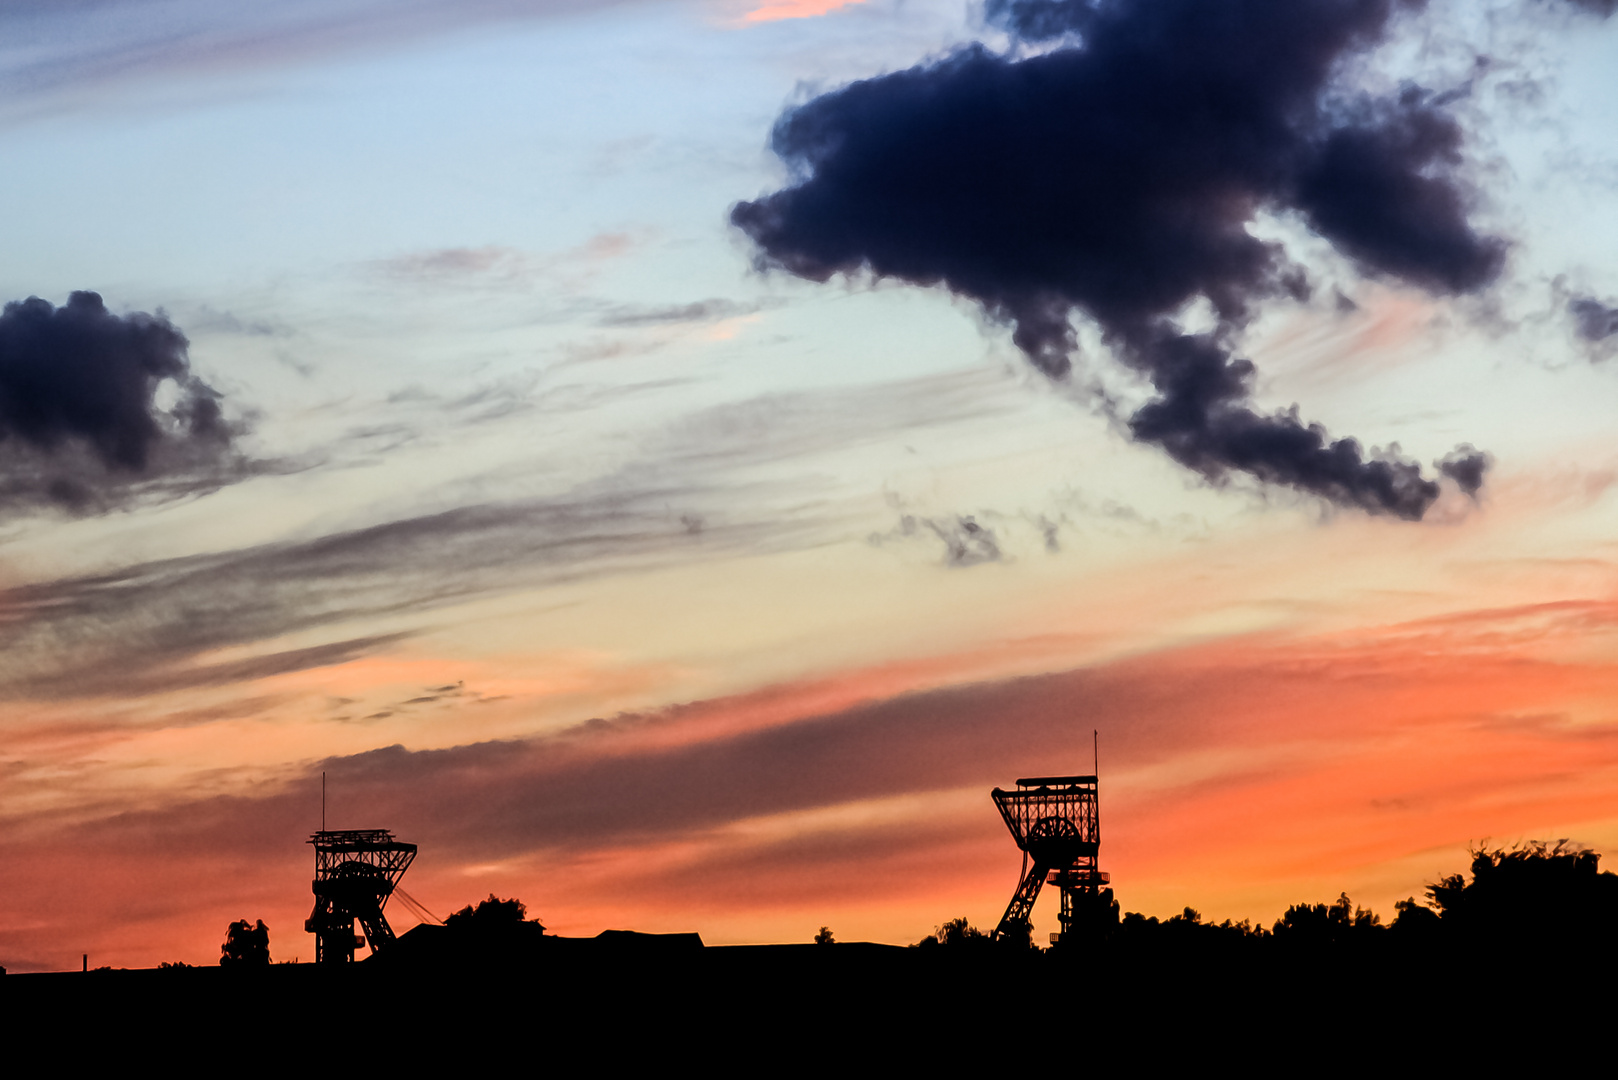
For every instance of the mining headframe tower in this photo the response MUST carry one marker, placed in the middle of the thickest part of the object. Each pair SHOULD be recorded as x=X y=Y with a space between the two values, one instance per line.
x=1056 y=822
x=356 y=871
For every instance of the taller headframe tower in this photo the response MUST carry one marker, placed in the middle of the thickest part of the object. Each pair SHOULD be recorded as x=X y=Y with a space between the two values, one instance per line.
x=355 y=872
x=1056 y=822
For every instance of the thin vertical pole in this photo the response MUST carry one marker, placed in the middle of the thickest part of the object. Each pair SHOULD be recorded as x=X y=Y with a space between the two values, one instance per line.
x=322 y=800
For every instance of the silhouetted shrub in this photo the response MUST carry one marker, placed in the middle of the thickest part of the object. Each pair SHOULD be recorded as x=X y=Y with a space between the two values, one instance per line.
x=958 y=933
x=246 y=945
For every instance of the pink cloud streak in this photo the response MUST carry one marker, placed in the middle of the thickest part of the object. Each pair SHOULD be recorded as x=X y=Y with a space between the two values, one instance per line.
x=795 y=9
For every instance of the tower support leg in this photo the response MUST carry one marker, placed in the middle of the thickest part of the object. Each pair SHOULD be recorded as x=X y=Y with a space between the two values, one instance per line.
x=1022 y=902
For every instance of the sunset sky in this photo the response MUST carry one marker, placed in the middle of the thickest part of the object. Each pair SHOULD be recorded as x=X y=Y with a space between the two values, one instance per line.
x=680 y=530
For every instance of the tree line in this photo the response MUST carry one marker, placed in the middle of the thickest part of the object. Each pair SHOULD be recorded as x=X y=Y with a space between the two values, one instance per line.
x=1535 y=896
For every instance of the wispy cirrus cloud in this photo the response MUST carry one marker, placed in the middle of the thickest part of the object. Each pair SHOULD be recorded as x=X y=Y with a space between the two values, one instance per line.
x=79 y=637
x=151 y=625
x=54 y=49
x=698 y=311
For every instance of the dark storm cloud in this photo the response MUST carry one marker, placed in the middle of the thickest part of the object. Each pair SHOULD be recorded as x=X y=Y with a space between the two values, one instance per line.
x=1593 y=320
x=81 y=372
x=1117 y=175
x=80 y=424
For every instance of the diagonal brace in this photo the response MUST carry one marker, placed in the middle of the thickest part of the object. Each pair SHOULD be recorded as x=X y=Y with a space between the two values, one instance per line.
x=1022 y=901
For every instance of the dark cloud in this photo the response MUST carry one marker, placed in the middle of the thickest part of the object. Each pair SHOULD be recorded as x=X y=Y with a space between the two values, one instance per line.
x=1051 y=532
x=1199 y=419
x=81 y=372
x=1117 y=176
x=81 y=427
x=1466 y=465
x=1593 y=320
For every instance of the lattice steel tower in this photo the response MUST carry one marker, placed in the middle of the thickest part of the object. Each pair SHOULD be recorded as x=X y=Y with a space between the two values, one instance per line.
x=355 y=872
x=1056 y=823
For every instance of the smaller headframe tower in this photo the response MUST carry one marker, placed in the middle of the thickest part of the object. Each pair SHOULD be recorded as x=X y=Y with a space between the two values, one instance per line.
x=1056 y=822
x=355 y=872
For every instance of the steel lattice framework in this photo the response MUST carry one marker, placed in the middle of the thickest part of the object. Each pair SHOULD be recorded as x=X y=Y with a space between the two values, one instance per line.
x=1056 y=822
x=355 y=872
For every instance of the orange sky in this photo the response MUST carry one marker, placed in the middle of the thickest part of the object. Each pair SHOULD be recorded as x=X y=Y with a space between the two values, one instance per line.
x=1238 y=776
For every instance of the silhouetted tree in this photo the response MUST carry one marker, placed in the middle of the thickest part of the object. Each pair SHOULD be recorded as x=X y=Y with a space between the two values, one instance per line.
x=1414 y=921
x=1019 y=935
x=825 y=937
x=491 y=913
x=1320 y=924
x=246 y=945
x=1530 y=895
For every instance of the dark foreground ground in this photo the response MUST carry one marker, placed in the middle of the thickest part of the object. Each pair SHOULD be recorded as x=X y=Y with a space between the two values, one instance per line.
x=603 y=1005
